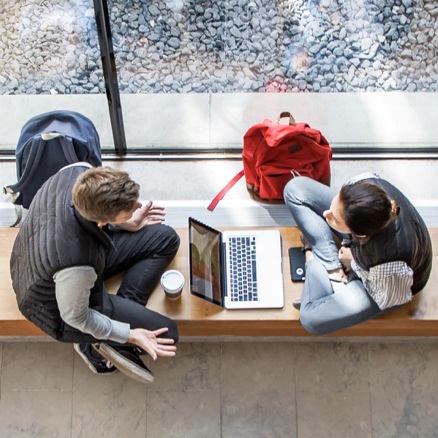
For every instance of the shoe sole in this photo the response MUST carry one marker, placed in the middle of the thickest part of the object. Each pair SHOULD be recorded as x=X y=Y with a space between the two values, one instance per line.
x=124 y=365
x=77 y=348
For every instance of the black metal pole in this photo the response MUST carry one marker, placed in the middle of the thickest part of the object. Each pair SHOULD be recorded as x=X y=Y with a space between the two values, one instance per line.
x=110 y=74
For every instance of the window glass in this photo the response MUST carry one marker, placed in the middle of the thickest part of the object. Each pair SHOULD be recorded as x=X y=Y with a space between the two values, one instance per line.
x=198 y=74
x=49 y=60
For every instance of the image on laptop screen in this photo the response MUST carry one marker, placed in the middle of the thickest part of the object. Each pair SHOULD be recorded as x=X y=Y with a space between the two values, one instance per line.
x=205 y=270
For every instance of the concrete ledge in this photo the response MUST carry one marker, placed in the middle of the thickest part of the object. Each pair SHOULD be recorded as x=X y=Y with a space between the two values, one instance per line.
x=232 y=213
x=268 y=339
x=209 y=120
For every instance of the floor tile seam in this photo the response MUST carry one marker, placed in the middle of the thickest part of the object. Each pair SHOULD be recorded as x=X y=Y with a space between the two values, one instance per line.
x=176 y=391
x=331 y=391
x=370 y=387
x=221 y=392
x=209 y=339
x=36 y=390
x=295 y=390
x=304 y=340
x=1 y=365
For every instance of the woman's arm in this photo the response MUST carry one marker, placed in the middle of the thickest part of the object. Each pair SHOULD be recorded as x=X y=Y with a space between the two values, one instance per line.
x=389 y=284
x=345 y=257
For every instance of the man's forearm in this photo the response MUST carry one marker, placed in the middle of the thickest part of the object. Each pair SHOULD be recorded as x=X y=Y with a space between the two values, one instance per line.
x=73 y=294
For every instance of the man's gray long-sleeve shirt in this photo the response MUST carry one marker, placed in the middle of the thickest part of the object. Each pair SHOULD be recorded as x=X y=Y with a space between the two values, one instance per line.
x=73 y=293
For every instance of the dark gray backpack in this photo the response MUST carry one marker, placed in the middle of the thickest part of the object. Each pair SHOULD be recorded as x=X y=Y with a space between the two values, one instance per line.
x=47 y=143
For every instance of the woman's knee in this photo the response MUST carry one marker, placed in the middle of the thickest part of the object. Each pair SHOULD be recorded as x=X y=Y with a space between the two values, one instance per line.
x=295 y=190
x=313 y=325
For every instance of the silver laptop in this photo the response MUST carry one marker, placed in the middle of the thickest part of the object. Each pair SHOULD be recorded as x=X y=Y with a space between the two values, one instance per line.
x=239 y=269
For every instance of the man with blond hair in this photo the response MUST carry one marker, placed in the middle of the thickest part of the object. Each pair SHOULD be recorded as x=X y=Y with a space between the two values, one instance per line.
x=84 y=226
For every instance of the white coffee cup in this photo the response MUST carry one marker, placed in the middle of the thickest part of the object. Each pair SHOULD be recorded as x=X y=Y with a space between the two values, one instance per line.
x=172 y=283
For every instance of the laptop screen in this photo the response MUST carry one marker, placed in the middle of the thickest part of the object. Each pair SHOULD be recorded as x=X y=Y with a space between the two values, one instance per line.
x=205 y=261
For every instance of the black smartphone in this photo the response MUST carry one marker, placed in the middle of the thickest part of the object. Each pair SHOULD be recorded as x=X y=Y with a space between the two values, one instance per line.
x=297 y=261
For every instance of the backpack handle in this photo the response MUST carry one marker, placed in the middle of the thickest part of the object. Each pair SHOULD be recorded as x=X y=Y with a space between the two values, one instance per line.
x=286 y=114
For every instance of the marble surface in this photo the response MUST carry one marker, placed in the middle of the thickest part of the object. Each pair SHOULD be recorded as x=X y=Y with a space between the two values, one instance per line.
x=228 y=390
x=202 y=180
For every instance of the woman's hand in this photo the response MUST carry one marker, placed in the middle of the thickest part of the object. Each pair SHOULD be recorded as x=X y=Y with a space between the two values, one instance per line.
x=149 y=342
x=148 y=214
x=345 y=257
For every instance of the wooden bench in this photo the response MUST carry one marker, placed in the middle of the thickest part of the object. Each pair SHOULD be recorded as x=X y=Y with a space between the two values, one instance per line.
x=197 y=318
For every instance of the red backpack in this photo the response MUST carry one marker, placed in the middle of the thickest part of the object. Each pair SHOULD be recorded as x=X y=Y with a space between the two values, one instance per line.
x=274 y=153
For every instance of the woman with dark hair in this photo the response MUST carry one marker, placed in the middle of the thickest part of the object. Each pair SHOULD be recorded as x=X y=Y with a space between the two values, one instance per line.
x=385 y=255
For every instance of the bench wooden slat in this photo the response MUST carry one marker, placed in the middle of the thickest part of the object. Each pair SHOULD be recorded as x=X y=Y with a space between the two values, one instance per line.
x=196 y=317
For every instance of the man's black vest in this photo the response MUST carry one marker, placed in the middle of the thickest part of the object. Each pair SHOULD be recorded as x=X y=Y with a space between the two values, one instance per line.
x=406 y=239
x=55 y=236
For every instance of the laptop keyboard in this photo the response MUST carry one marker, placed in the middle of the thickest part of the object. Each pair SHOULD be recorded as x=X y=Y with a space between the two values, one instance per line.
x=243 y=272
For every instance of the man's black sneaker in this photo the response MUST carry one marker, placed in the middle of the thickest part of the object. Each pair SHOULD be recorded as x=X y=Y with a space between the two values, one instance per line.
x=95 y=361
x=297 y=304
x=127 y=360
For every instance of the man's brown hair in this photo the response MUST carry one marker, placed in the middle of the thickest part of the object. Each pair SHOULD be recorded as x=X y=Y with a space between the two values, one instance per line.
x=100 y=194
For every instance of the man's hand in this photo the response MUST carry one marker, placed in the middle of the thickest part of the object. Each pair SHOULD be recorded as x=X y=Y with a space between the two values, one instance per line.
x=148 y=214
x=149 y=342
x=345 y=257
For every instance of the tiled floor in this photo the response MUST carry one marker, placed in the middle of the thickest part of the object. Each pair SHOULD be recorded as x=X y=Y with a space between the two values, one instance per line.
x=228 y=389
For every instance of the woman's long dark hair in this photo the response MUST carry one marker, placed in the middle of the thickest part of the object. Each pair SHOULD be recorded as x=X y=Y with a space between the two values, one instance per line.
x=367 y=208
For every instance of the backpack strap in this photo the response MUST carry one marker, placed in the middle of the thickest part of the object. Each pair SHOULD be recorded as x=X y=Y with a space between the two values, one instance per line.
x=18 y=209
x=32 y=163
x=31 y=167
x=224 y=191
x=69 y=149
x=66 y=144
